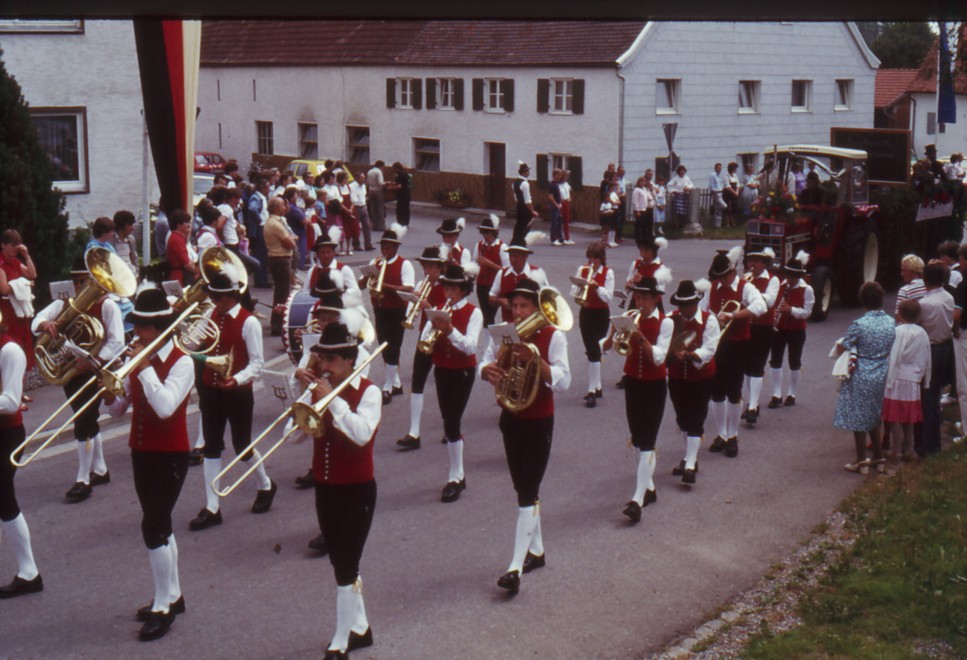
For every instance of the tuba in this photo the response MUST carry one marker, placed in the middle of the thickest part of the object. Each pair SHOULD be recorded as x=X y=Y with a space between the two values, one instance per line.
x=415 y=308
x=622 y=340
x=518 y=388
x=75 y=324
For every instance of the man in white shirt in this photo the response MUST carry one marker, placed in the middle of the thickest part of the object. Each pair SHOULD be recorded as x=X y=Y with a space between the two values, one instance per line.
x=357 y=194
x=524 y=204
x=716 y=184
x=376 y=201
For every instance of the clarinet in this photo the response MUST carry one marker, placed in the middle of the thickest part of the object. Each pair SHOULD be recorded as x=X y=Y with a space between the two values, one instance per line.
x=777 y=314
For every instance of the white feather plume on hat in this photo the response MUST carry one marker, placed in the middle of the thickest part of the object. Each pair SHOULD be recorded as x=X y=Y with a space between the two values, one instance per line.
x=337 y=278
x=802 y=257
x=398 y=229
x=353 y=320
x=472 y=269
x=735 y=254
x=461 y=223
x=352 y=299
x=663 y=276
x=533 y=237
x=335 y=234
x=495 y=220
x=661 y=242
x=444 y=251
x=703 y=286
x=519 y=163
x=769 y=252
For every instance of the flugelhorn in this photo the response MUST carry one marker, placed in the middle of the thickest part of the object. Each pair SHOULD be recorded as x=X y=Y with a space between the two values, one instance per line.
x=376 y=285
x=425 y=346
x=581 y=297
x=621 y=338
x=414 y=310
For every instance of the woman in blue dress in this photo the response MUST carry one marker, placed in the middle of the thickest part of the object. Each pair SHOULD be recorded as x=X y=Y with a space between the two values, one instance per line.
x=861 y=397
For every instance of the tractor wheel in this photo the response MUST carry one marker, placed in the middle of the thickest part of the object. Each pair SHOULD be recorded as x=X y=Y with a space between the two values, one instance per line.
x=859 y=260
x=823 y=288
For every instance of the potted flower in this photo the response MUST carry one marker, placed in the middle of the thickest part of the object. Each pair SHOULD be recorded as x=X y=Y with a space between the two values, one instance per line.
x=453 y=199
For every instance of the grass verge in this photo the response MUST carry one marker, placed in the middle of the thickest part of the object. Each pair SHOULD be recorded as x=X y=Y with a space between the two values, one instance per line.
x=901 y=589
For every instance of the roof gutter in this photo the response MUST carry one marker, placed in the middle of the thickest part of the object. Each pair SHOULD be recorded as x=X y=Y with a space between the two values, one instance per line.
x=621 y=116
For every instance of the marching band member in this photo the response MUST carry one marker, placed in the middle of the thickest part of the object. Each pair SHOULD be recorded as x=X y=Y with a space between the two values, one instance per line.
x=728 y=287
x=593 y=317
x=648 y=264
x=449 y=231
x=527 y=434
x=490 y=254
x=158 y=391
x=91 y=470
x=455 y=365
x=342 y=462
x=510 y=276
x=432 y=260
x=389 y=309
x=13 y=525
x=691 y=367
x=325 y=250
x=646 y=388
x=796 y=300
x=761 y=333
x=230 y=401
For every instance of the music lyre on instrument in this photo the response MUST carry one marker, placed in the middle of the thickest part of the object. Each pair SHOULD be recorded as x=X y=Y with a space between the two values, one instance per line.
x=414 y=307
x=581 y=298
x=622 y=338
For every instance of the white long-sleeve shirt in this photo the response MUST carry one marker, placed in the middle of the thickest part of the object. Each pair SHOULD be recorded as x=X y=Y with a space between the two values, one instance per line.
x=358 y=426
x=606 y=292
x=465 y=255
x=710 y=339
x=772 y=288
x=533 y=272
x=407 y=274
x=809 y=300
x=111 y=317
x=751 y=298
x=164 y=398
x=556 y=358
x=13 y=363
x=504 y=257
x=252 y=336
x=910 y=355
x=659 y=350
x=465 y=342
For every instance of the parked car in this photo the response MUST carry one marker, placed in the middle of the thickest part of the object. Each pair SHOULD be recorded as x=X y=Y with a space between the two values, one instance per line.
x=202 y=184
x=209 y=162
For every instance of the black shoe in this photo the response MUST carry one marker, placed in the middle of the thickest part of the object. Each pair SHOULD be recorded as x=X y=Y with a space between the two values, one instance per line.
x=509 y=581
x=307 y=480
x=732 y=447
x=590 y=401
x=196 y=456
x=775 y=402
x=717 y=445
x=451 y=492
x=100 y=479
x=263 y=499
x=650 y=497
x=745 y=414
x=633 y=511
x=335 y=654
x=443 y=440
x=357 y=641
x=532 y=562
x=318 y=544
x=620 y=384
x=598 y=393
x=205 y=519
x=409 y=442
x=688 y=476
x=177 y=607
x=78 y=492
x=156 y=626
x=21 y=587
x=387 y=399
x=790 y=401
x=679 y=469
x=397 y=391
x=751 y=416
x=368 y=248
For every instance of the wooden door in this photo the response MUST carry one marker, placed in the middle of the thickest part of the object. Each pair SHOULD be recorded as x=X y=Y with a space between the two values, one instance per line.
x=497 y=175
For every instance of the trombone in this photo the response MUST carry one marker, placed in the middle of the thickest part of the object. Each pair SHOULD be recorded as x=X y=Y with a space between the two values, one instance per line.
x=307 y=417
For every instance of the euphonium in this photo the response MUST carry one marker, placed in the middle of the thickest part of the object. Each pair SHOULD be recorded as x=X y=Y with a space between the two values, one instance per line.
x=376 y=286
x=622 y=339
x=425 y=346
x=582 y=296
x=415 y=307
x=74 y=324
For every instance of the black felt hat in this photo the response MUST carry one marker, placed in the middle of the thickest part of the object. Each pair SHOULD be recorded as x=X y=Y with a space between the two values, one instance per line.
x=648 y=285
x=454 y=274
x=686 y=293
x=431 y=253
x=451 y=226
x=526 y=287
x=150 y=305
x=226 y=280
x=335 y=337
x=519 y=244
x=721 y=265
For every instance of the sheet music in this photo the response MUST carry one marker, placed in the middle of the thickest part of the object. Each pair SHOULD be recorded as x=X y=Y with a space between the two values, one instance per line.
x=432 y=314
x=623 y=323
x=409 y=297
x=61 y=290
x=172 y=288
x=369 y=270
x=504 y=333
x=579 y=282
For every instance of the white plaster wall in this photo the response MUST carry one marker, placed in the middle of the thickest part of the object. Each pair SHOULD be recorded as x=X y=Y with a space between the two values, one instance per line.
x=954 y=137
x=99 y=70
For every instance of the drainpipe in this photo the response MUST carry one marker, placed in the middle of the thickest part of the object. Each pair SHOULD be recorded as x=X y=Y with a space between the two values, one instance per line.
x=913 y=126
x=621 y=117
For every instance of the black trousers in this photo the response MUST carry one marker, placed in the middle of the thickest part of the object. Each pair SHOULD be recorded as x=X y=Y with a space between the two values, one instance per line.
x=644 y=224
x=690 y=401
x=644 y=407
x=729 y=370
x=158 y=478
x=220 y=407
x=523 y=222
x=489 y=311
x=10 y=439
x=527 y=444
x=453 y=387
x=279 y=268
x=795 y=339
x=594 y=327
x=403 y=209
x=85 y=426
x=759 y=347
x=389 y=328
x=422 y=366
x=345 y=514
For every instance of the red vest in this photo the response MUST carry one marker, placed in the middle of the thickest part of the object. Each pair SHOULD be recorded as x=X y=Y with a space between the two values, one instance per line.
x=436 y=298
x=796 y=297
x=229 y=341
x=456 y=253
x=317 y=272
x=543 y=405
x=394 y=276
x=508 y=282
x=594 y=300
x=16 y=419
x=686 y=370
x=488 y=275
x=762 y=283
x=647 y=270
x=637 y=365
x=445 y=355
x=148 y=431
x=335 y=458
x=740 y=328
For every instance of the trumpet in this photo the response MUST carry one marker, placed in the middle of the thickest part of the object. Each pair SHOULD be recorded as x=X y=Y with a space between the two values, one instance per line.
x=307 y=417
x=376 y=286
x=622 y=339
x=730 y=307
x=425 y=346
x=414 y=310
x=581 y=298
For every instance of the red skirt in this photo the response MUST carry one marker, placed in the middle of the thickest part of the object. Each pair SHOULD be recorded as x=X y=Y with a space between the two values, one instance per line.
x=901 y=403
x=19 y=330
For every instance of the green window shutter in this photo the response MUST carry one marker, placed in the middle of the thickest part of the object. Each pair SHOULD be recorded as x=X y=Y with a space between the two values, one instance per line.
x=478 y=85
x=417 y=94
x=542 y=170
x=576 y=179
x=543 y=95
x=577 y=102
x=507 y=86
x=431 y=93
x=458 y=93
x=391 y=92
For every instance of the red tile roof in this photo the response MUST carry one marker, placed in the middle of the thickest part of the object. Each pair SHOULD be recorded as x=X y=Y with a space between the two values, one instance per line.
x=926 y=79
x=442 y=43
x=891 y=83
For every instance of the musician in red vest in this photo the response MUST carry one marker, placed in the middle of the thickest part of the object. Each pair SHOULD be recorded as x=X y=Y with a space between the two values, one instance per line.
x=795 y=304
x=230 y=401
x=13 y=525
x=345 y=482
x=593 y=317
x=761 y=332
x=509 y=277
x=455 y=365
x=325 y=249
x=389 y=309
x=648 y=264
x=433 y=260
x=449 y=231
x=490 y=254
x=158 y=391
x=91 y=467
x=528 y=433
x=691 y=367
x=646 y=388
x=735 y=303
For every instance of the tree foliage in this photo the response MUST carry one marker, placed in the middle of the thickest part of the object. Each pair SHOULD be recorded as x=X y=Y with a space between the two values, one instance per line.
x=903 y=45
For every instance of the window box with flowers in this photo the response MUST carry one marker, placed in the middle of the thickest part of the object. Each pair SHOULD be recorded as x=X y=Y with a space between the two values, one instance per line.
x=452 y=199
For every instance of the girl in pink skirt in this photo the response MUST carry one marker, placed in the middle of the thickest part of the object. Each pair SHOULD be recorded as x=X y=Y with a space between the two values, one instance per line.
x=909 y=367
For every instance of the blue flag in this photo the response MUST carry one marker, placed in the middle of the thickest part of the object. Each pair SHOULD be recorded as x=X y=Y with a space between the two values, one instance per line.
x=946 y=100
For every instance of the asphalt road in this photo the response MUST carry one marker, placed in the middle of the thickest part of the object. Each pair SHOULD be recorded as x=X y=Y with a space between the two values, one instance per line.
x=609 y=590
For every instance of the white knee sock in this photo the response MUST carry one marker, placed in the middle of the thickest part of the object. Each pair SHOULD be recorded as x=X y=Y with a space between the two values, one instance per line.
x=719 y=417
x=692 y=444
x=360 y=621
x=646 y=468
x=745 y=387
x=777 y=382
x=211 y=466
x=733 y=413
x=264 y=483
x=161 y=570
x=391 y=370
x=416 y=412
x=85 y=455
x=200 y=438
x=18 y=536
x=537 y=542
x=594 y=376
x=345 y=614
x=396 y=379
x=174 y=583
x=455 y=449
x=526 y=524
x=794 y=376
x=98 y=464
x=755 y=391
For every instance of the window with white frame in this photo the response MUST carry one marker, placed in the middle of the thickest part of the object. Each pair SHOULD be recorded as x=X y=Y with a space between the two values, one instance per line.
x=45 y=26
x=404 y=93
x=445 y=89
x=493 y=95
x=802 y=91
x=667 y=92
x=357 y=139
x=844 y=95
x=562 y=96
x=426 y=154
x=63 y=135
x=264 y=139
x=309 y=141
x=749 y=96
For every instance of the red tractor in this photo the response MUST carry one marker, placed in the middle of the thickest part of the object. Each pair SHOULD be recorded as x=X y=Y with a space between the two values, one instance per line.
x=831 y=219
